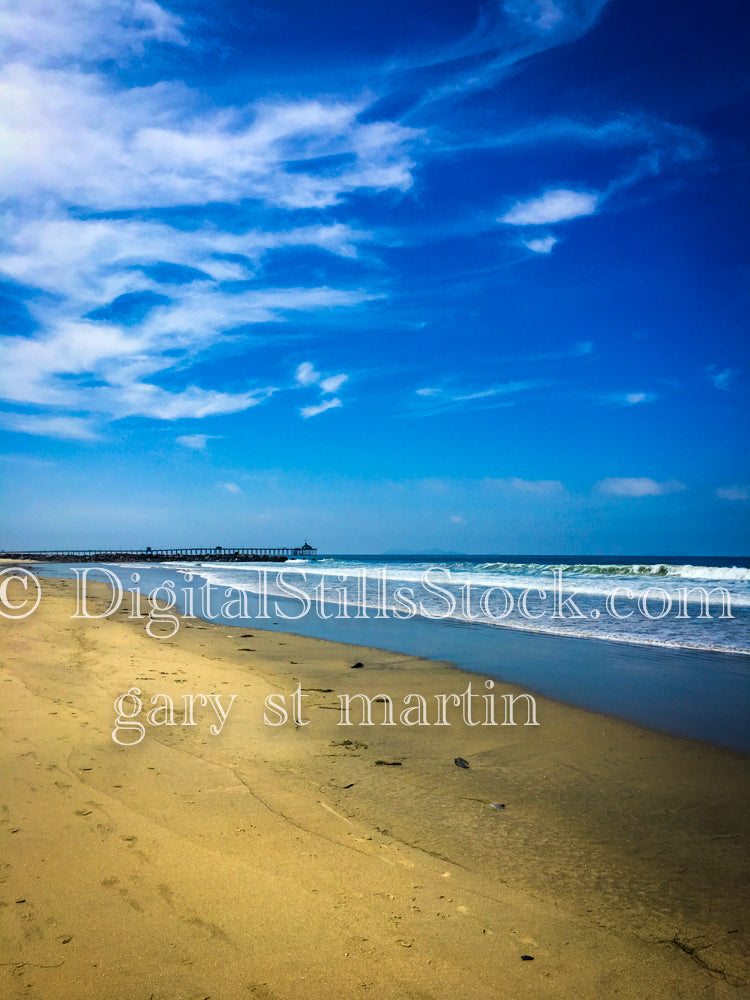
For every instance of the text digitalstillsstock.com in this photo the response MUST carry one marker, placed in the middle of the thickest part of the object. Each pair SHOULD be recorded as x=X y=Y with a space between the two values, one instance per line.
x=371 y=599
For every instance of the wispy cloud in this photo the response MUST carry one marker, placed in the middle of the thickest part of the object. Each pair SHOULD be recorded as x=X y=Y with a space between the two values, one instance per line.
x=67 y=428
x=108 y=260
x=90 y=262
x=734 y=493
x=231 y=488
x=75 y=141
x=505 y=34
x=307 y=375
x=629 y=398
x=538 y=487
x=30 y=460
x=333 y=383
x=434 y=400
x=639 y=486
x=722 y=378
x=558 y=205
x=126 y=149
x=542 y=244
x=314 y=411
x=644 y=134
x=41 y=31
x=196 y=442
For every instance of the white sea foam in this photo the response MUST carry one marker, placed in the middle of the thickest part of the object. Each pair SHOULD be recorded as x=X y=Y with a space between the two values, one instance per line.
x=715 y=633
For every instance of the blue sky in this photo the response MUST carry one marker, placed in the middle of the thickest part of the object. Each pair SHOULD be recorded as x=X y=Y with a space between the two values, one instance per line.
x=456 y=275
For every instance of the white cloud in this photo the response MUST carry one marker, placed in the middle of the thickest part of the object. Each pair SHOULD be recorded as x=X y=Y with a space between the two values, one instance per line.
x=92 y=261
x=506 y=33
x=439 y=400
x=541 y=14
x=55 y=367
x=542 y=244
x=734 y=493
x=306 y=374
x=197 y=442
x=44 y=31
x=313 y=411
x=67 y=428
x=333 y=384
x=543 y=487
x=457 y=519
x=231 y=488
x=722 y=378
x=73 y=135
x=539 y=487
x=638 y=487
x=629 y=398
x=553 y=206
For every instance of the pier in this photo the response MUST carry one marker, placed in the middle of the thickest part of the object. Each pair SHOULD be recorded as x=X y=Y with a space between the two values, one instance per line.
x=218 y=553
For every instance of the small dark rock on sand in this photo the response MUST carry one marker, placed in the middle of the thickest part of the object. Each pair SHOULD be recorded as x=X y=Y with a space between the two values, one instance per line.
x=460 y=762
x=356 y=666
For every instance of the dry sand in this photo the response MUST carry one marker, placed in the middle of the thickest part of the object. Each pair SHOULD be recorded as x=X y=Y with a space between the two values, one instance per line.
x=284 y=862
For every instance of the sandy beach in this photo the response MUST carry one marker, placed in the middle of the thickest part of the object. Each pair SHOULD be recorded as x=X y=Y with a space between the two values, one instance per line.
x=322 y=860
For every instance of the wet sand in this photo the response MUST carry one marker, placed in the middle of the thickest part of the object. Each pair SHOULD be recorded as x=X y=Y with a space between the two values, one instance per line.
x=331 y=861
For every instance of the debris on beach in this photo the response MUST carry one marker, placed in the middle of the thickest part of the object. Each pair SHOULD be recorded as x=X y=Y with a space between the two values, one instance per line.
x=460 y=762
x=497 y=805
x=356 y=666
x=527 y=958
x=388 y=763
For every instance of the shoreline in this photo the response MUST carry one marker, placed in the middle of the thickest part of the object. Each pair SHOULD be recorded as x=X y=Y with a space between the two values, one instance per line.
x=339 y=860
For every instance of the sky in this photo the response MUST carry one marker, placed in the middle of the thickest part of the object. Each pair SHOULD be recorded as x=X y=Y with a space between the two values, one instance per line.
x=460 y=276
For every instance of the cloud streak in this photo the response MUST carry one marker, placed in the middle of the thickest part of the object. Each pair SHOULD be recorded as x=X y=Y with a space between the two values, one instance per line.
x=196 y=442
x=558 y=205
x=733 y=493
x=44 y=31
x=536 y=487
x=436 y=400
x=639 y=486
x=66 y=428
x=314 y=411
x=722 y=378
